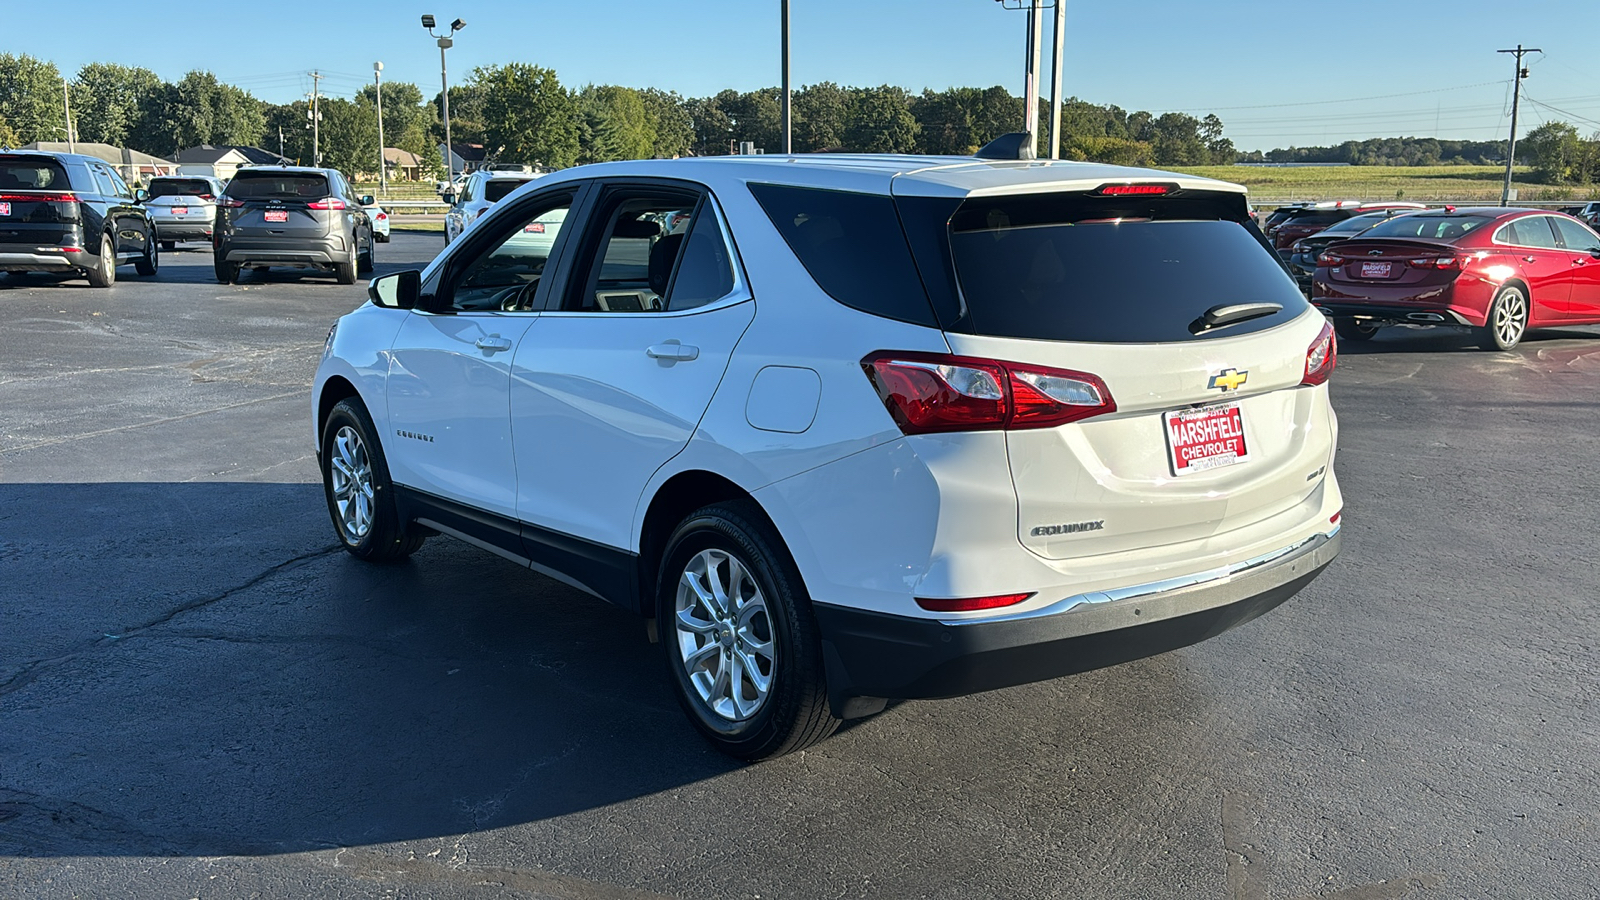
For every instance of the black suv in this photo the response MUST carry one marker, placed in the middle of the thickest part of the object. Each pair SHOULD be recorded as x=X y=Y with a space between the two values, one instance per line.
x=291 y=217
x=69 y=213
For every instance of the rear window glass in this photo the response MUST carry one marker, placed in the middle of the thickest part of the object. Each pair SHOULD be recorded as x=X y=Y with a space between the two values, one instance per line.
x=1353 y=225
x=248 y=185
x=1080 y=269
x=495 y=191
x=1428 y=226
x=36 y=174
x=1320 y=217
x=179 y=187
x=852 y=246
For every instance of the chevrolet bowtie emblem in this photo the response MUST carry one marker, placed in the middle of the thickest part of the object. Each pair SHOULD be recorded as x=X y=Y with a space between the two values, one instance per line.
x=1228 y=380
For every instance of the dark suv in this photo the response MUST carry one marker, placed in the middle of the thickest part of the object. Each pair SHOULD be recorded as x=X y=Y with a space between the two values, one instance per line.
x=291 y=217
x=68 y=213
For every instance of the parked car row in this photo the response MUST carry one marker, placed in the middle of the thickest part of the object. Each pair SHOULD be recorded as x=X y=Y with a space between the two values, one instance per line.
x=67 y=213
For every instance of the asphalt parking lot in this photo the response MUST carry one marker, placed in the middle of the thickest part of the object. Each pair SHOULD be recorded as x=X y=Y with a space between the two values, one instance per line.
x=201 y=696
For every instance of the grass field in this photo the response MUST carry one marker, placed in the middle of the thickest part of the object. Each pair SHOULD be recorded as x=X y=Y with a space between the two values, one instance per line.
x=1421 y=183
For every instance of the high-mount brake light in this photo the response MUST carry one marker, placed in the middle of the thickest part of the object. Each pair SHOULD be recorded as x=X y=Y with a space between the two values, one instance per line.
x=971 y=604
x=927 y=393
x=326 y=203
x=1321 y=356
x=1135 y=190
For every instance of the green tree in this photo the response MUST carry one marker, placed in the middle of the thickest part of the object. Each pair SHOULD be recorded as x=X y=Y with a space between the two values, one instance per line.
x=30 y=98
x=528 y=116
x=108 y=99
x=820 y=113
x=756 y=117
x=614 y=124
x=8 y=136
x=1555 y=150
x=713 y=127
x=881 y=121
x=349 y=137
x=197 y=110
x=674 y=126
x=293 y=121
x=466 y=115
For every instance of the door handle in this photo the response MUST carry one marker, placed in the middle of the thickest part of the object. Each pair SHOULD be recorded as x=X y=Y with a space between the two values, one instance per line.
x=677 y=352
x=1530 y=259
x=493 y=343
x=1580 y=261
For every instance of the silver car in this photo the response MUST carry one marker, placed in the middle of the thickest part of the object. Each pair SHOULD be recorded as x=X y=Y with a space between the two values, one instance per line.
x=481 y=191
x=183 y=207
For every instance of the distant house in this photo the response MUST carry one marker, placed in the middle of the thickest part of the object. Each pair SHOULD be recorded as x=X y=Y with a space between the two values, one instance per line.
x=402 y=165
x=223 y=161
x=134 y=166
x=464 y=157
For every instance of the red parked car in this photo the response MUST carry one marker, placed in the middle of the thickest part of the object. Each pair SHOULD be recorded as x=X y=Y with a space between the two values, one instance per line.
x=1308 y=220
x=1499 y=271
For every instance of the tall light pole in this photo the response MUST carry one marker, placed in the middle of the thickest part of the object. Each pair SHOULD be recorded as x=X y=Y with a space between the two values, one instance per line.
x=1030 y=96
x=788 y=112
x=316 y=118
x=377 y=81
x=445 y=43
x=1055 y=77
x=1517 y=74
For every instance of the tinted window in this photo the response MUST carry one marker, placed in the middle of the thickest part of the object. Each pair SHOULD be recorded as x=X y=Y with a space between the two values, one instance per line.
x=102 y=178
x=506 y=277
x=248 y=185
x=705 y=273
x=32 y=174
x=1575 y=235
x=119 y=188
x=1424 y=225
x=852 y=246
x=633 y=251
x=1353 y=225
x=179 y=187
x=1533 y=231
x=1318 y=217
x=495 y=191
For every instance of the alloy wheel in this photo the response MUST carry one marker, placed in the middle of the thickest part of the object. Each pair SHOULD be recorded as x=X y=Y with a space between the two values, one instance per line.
x=350 y=477
x=1510 y=318
x=725 y=635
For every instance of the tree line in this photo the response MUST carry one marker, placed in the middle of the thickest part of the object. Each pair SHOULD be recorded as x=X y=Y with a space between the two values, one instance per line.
x=522 y=113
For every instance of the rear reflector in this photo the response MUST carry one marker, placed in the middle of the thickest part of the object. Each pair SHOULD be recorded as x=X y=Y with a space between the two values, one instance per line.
x=1135 y=190
x=1334 y=519
x=928 y=393
x=1321 y=356
x=971 y=604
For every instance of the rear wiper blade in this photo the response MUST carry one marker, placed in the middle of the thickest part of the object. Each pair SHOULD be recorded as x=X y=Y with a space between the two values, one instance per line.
x=1232 y=314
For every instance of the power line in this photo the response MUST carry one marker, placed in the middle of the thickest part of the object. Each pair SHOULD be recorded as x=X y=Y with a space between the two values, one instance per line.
x=1459 y=87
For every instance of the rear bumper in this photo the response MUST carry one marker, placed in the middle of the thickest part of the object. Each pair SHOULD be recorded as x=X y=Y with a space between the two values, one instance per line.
x=1410 y=315
x=34 y=259
x=876 y=655
x=182 y=231
x=315 y=254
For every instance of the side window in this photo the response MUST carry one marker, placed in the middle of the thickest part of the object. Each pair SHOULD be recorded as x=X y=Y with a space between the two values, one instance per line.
x=1533 y=231
x=466 y=190
x=507 y=276
x=118 y=185
x=705 y=271
x=632 y=254
x=102 y=179
x=1575 y=235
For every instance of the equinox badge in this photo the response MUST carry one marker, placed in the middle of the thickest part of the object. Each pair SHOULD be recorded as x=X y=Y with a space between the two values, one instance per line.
x=1228 y=380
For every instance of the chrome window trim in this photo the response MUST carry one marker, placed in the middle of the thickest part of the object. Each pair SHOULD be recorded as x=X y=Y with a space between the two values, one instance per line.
x=1495 y=238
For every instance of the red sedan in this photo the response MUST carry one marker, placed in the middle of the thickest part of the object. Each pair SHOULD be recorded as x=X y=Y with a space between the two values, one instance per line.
x=1500 y=271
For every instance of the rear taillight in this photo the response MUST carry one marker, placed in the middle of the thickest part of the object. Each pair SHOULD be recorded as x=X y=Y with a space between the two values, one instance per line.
x=479 y=214
x=206 y=197
x=382 y=216
x=326 y=203
x=40 y=198
x=1321 y=356
x=229 y=202
x=932 y=392
x=1329 y=260
x=971 y=604
x=1436 y=262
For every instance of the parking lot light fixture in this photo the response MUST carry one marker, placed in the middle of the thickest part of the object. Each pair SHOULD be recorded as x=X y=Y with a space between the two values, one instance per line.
x=427 y=22
x=445 y=43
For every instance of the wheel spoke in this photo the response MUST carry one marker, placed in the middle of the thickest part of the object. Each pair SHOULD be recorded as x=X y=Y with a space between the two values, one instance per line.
x=688 y=622
x=699 y=657
x=752 y=671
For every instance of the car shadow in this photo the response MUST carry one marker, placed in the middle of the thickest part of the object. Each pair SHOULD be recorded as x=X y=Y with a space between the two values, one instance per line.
x=196 y=669
x=1451 y=339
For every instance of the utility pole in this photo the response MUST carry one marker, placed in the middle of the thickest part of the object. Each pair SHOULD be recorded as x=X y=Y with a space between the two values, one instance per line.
x=377 y=80
x=1517 y=74
x=66 y=104
x=280 y=142
x=316 y=119
x=1030 y=97
x=788 y=119
x=1055 y=76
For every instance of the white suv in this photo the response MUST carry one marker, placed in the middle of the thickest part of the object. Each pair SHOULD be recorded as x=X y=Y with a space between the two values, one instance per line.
x=852 y=428
x=480 y=191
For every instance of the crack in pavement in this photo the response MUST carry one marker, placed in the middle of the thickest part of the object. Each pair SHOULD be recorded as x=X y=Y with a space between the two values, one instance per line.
x=30 y=671
x=202 y=412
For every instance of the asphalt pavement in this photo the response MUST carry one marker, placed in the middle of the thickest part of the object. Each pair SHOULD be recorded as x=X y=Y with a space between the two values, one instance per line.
x=202 y=696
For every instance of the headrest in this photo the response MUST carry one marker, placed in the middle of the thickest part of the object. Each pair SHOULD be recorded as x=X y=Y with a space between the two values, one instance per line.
x=636 y=228
x=662 y=256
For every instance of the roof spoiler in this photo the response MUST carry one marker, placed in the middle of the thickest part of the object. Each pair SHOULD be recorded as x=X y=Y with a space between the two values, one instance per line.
x=1015 y=145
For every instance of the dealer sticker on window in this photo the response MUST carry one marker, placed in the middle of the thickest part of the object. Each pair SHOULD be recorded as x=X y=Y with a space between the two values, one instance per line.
x=1206 y=438
x=5 y=209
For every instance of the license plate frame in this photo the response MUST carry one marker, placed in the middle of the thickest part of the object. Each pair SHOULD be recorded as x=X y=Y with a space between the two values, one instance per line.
x=1377 y=269
x=275 y=215
x=1215 y=432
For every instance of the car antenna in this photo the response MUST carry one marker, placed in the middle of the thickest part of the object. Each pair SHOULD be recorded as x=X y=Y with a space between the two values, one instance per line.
x=1006 y=146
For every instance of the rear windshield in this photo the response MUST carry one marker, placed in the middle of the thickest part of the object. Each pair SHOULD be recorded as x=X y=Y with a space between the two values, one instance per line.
x=32 y=174
x=247 y=185
x=1316 y=217
x=496 y=190
x=179 y=187
x=1353 y=225
x=1436 y=227
x=1112 y=280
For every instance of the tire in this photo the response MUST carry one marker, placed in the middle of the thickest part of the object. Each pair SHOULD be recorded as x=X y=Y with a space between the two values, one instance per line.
x=382 y=238
x=365 y=262
x=1507 y=321
x=1352 y=331
x=346 y=270
x=355 y=481
x=104 y=274
x=722 y=546
x=168 y=246
x=227 y=272
x=150 y=263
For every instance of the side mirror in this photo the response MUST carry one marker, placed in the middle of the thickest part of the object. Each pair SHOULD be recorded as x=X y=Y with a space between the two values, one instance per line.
x=140 y=195
x=366 y=200
x=397 y=291
x=1594 y=252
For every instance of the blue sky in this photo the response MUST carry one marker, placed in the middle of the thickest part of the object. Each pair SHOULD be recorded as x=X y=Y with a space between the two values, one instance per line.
x=1268 y=69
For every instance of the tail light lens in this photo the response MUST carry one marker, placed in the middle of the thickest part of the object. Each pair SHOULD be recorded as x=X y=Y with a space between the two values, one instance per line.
x=382 y=216
x=479 y=213
x=928 y=393
x=1321 y=356
x=1435 y=262
x=206 y=197
x=971 y=604
x=1329 y=261
x=229 y=202
x=326 y=203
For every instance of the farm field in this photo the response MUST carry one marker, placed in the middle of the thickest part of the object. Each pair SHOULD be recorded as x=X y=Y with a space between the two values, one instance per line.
x=1421 y=183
